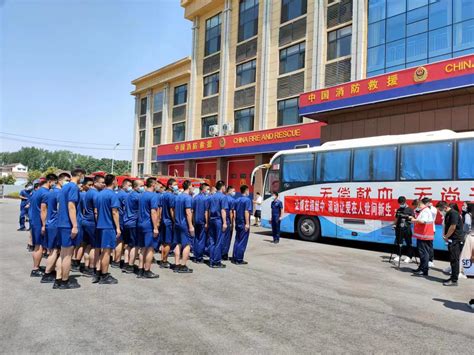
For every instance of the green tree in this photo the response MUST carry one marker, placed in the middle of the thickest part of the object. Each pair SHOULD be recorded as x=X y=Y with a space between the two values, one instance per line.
x=33 y=175
x=50 y=170
x=7 y=180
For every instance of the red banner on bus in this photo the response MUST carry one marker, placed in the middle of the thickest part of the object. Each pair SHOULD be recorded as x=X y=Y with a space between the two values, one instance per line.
x=379 y=209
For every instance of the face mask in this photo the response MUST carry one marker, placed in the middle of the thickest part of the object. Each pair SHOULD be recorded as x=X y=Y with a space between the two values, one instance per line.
x=141 y=189
x=206 y=193
x=65 y=183
x=53 y=186
x=273 y=198
x=232 y=194
x=115 y=188
x=175 y=189
x=403 y=205
x=129 y=189
x=464 y=208
x=81 y=181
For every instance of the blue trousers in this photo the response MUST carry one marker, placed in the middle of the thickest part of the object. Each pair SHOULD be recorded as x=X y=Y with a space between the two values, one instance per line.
x=240 y=243
x=199 y=241
x=23 y=214
x=216 y=239
x=227 y=238
x=276 y=228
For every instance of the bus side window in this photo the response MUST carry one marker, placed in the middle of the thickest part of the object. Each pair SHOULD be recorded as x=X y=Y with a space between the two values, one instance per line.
x=427 y=161
x=466 y=159
x=375 y=164
x=333 y=166
x=297 y=170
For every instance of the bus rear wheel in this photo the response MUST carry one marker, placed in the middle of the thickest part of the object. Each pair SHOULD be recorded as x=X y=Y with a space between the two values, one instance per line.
x=308 y=228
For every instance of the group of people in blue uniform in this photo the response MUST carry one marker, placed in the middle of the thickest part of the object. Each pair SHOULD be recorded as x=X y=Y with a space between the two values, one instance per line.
x=90 y=224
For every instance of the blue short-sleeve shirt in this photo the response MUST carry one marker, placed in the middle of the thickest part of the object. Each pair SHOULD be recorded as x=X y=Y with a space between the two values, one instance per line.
x=167 y=202
x=147 y=202
x=89 y=206
x=106 y=200
x=69 y=193
x=200 y=206
x=35 y=205
x=183 y=202
x=130 y=216
x=217 y=202
x=241 y=205
x=52 y=216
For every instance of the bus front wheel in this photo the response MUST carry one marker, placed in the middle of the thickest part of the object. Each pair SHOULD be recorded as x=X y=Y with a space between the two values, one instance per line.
x=308 y=228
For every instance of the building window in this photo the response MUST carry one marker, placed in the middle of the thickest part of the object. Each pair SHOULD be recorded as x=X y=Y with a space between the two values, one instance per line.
x=158 y=101
x=213 y=35
x=288 y=112
x=140 y=169
x=156 y=135
x=244 y=120
x=339 y=43
x=143 y=104
x=178 y=132
x=246 y=73
x=142 y=122
x=404 y=34
x=154 y=168
x=206 y=123
x=248 y=19
x=292 y=58
x=180 y=94
x=141 y=139
x=211 y=84
x=153 y=153
x=291 y=9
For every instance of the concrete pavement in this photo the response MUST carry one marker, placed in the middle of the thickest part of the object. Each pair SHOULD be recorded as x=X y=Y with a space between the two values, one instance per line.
x=295 y=297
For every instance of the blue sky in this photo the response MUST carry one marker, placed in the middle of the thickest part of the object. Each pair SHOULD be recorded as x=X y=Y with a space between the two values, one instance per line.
x=66 y=68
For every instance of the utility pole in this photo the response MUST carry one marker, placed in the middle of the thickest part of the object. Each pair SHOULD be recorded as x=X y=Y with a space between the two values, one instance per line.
x=113 y=157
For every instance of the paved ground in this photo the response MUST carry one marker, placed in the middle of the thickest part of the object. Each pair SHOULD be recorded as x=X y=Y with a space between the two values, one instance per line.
x=296 y=297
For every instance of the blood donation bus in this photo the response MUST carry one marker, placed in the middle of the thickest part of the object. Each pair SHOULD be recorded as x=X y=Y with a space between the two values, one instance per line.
x=349 y=189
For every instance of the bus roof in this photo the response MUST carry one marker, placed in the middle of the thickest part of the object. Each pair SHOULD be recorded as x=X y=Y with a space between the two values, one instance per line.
x=444 y=134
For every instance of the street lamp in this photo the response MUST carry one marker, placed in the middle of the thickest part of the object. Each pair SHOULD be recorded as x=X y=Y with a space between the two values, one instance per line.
x=113 y=157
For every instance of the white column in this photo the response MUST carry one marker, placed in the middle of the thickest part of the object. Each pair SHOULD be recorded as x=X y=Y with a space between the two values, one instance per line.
x=165 y=124
x=191 y=119
x=319 y=44
x=148 y=135
x=359 y=45
x=264 y=66
x=134 y=169
x=223 y=97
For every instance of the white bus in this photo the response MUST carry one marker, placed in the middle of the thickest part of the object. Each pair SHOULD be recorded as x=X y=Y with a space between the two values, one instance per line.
x=349 y=189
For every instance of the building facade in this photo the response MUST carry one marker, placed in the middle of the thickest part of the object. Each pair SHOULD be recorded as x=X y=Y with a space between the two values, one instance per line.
x=251 y=60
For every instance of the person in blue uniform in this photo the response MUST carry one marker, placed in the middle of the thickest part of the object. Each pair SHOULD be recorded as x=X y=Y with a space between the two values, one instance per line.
x=230 y=223
x=122 y=194
x=89 y=222
x=276 y=216
x=108 y=227
x=80 y=244
x=130 y=219
x=243 y=211
x=67 y=225
x=25 y=195
x=218 y=205
x=53 y=243
x=167 y=223
x=183 y=227
x=201 y=222
x=149 y=215
x=38 y=212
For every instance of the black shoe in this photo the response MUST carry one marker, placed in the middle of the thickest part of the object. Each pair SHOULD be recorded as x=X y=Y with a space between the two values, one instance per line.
x=225 y=257
x=420 y=273
x=243 y=262
x=69 y=285
x=36 y=273
x=198 y=261
x=88 y=272
x=276 y=241
x=128 y=269
x=115 y=264
x=176 y=268
x=48 y=278
x=82 y=267
x=122 y=264
x=108 y=279
x=173 y=266
x=95 y=278
x=150 y=275
x=416 y=270
x=135 y=269
x=218 y=266
x=57 y=284
x=75 y=266
x=184 y=270
x=164 y=265
x=450 y=283
x=21 y=229
x=30 y=248
x=140 y=273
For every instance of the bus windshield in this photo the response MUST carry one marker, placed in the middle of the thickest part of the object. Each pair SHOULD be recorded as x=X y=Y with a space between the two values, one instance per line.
x=272 y=182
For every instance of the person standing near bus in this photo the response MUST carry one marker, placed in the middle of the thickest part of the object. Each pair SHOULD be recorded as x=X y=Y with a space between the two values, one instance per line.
x=25 y=195
x=453 y=235
x=435 y=214
x=218 y=205
x=230 y=223
x=276 y=217
x=243 y=211
x=258 y=209
x=201 y=222
x=423 y=231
